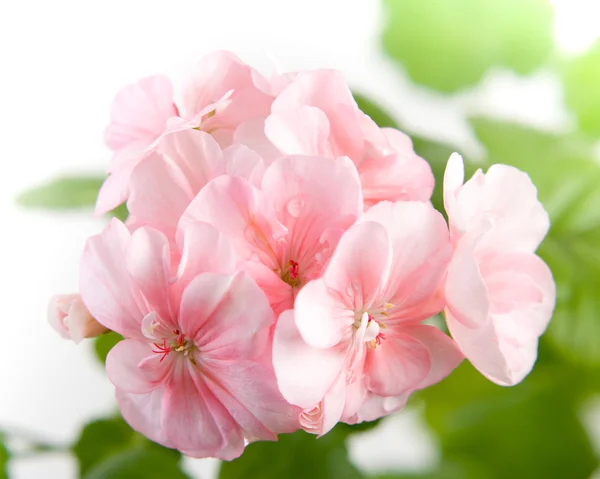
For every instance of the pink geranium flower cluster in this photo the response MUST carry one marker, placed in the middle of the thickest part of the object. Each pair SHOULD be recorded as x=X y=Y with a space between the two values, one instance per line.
x=281 y=256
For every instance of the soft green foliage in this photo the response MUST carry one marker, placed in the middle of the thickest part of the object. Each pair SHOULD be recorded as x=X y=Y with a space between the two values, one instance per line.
x=582 y=93
x=298 y=455
x=67 y=192
x=104 y=343
x=4 y=457
x=110 y=449
x=568 y=179
x=449 y=45
x=530 y=430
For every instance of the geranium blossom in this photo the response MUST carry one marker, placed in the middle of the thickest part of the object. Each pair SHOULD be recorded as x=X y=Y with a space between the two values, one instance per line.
x=194 y=371
x=284 y=232
x=221 y=93
x=500 y=295
x=355 y=335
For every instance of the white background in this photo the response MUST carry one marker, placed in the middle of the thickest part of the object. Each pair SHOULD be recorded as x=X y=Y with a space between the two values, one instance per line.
x=62 y=62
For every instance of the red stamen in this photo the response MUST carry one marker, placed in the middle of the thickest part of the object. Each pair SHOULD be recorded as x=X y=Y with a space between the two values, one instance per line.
x=294 y=273
x=162 y=349
x=378 y=339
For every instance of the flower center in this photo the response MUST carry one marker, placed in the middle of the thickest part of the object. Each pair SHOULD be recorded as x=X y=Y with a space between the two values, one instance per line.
x=291 y=274
x=369 y=325
x=177 y=343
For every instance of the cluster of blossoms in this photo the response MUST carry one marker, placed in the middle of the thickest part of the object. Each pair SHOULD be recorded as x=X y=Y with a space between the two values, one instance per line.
x=281 y=256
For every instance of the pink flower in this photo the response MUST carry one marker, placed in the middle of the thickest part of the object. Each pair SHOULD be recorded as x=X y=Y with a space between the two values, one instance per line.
x=317 y=115
x=222 y=93
x=70 y=318
x=194 y=372
x=285 y=232
x=499 y=294
x=354 y=348
x=164 y=184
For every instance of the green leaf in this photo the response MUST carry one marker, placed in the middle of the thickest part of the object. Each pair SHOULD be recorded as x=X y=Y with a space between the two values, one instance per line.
x=297 y=455
x=375 y=111
x=567 y=178
x=138 y=463
x=449 y=45
x=67 y=192
x=100 y=439
x=581 y=79
x=120 y=212
x=530 y=430
x=104 y=343
x=4 y=457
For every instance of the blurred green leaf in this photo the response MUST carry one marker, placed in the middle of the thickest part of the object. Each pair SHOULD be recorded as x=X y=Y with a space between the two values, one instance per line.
x=120 y=212
x=138 y=463
x=104 y=343
x=531 y=430
x=375 y=111
x=581 y=79
x=449 y=45
x=568 y=179
x=4 y=457
x=67 y=192
x=100 y=439
x=297 y=455
x=106 y=445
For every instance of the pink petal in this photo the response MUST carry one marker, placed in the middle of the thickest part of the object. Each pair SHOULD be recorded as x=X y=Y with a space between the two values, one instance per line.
x=244 y=162
x=303 y=130
x=123 y=367
x=242 y=213
x=252 y=134
x=454 y=177
x=195 y=421
x=376 y=406
x=105 y=285
x=279 y=293
x=143 y=412
x=521 y=293
x=394 y=172
x=327 y=90
x=157 y=197
x=140 y=112
x=360 y=266
x=248 y=390
x=226 y=314
x=204 y=249
x=148 y=263
x=304 y=374
x=113 y=192
x=421 y=251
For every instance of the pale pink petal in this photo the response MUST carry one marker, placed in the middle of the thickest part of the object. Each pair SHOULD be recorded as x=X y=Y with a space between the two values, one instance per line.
x=521 y=295
x=360 y=267
x=105 y=285
x=143 y=412
x=71 y=319
x=279 y=293
x=157 y=197
x=244 y=162
x=304 y=374
x=248 y=389
x=327 y=90
x=454 y=177
x=392 y=171
x=140 y=112
x=504 y=197
x=195 y=421
x=303 y=130
x=123 y=367
x=252 y=134
x=421 y=252
x=114 y=191
x=313 y=196
x=195 y=156
x=148 y=264
x=228 y=315
x=204 y=249
x=242 y=213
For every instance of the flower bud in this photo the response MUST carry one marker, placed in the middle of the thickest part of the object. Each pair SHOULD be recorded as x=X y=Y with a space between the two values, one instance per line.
x=70 y=318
